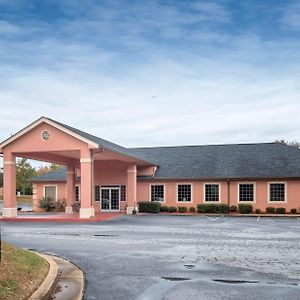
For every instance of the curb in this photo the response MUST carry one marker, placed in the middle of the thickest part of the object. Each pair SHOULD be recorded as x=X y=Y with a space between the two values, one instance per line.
x=288 y=216
x=47 y=287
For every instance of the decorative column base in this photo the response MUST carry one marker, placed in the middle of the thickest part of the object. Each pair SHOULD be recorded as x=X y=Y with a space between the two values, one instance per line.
x=86 y=213
x=130 y=209
x=68 y=210
x=9 y=212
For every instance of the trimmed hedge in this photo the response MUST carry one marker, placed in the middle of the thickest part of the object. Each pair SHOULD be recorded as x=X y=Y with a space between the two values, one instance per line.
x=280 y=210
x=164 y=208
x=182 y=209
x=172 y=209
x=213 y=208
x=233 y=208
x=192 y=209
x=149 y=207
x=293 y=211
x=245 y=208
x=270 y=210
x=257 y=211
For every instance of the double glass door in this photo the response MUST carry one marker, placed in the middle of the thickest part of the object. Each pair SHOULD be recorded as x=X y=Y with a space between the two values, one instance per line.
x=110 y=199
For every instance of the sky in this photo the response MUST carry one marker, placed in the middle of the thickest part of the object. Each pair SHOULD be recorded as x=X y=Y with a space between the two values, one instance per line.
x=152 y=73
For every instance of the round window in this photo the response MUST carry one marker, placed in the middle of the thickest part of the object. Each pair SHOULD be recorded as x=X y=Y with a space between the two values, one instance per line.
x=45 y=135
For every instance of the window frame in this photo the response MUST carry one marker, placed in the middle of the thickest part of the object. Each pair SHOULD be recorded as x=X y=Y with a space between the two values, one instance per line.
x=254 y=191
x=164 y=191
x=50 y=185
x=184 y=183
x=204 y=192
x=285 y=191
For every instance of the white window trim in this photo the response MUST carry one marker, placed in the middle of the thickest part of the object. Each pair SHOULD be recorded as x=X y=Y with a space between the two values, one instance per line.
x=42 y=135
x=157 y=183
x=184 y=183
x=50 y=185
x=285 y=191
x=110 y=185
x=210 y=183
x=254 y=191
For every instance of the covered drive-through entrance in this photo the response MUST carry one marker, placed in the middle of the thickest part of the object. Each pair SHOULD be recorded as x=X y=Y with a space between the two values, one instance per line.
x=96 y=162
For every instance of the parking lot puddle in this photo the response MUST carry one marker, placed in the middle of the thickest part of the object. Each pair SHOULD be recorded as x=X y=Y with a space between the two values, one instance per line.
x=233 y=281
x=175 y=278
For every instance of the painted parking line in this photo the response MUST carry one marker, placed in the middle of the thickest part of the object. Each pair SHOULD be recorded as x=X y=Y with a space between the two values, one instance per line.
x=258 y=218
x=212 y=219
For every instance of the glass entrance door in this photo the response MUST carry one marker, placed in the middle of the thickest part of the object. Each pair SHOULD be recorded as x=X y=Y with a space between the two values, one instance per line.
x=110 y=199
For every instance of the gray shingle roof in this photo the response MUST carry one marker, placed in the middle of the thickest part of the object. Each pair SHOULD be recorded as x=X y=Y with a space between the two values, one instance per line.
x=101 y=142
x=58 y=175
x=234 y=161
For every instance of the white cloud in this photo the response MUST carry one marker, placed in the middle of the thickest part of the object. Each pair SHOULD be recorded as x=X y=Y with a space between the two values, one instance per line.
x=147 y=78
x=291 y=16
x=8 y=28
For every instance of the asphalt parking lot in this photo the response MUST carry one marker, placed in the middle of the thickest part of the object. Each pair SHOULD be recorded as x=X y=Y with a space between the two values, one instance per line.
x=175 y=257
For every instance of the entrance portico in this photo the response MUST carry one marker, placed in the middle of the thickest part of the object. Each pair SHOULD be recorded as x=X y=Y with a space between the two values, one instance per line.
x=96 y=161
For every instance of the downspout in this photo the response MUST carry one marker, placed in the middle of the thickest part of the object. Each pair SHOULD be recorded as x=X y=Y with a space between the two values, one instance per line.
x=228 y=193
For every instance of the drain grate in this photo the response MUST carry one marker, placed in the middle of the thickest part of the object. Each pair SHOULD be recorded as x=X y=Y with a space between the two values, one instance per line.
x=233 y=281
x=175 y=278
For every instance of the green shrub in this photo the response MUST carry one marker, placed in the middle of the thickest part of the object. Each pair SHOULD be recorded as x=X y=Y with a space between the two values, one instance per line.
x=172 y=209
x=257 y=211
x=213 y=208
x=164 y=208
x=245 y=208
x=192 y=209
x=222 y=208
x=206 y=208
x=149 y=207
x=280 y=210
x=233 y=208
x=293 y=211
x=47 y=204
x=270 y=210
x=182 y=209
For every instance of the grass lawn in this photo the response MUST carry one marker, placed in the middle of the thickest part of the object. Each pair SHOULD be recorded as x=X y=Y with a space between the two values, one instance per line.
x=22 y=199
x=21 y=272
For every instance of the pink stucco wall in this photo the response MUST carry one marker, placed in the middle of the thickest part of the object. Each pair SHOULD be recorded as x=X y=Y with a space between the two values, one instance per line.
x=39 y=192
x=261 y=194
x=112 y=173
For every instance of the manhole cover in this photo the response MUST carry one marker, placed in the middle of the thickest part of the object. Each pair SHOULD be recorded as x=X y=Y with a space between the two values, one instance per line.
x=233 y=281
x=175 y=278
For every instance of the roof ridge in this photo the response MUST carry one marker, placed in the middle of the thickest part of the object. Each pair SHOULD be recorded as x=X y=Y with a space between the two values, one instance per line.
x=207 y=145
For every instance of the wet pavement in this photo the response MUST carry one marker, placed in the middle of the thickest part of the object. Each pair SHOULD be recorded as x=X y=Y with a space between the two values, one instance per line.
x=21 y=206
x=175 y=257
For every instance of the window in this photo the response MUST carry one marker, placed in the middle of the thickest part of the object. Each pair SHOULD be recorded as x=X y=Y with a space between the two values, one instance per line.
x=97 y=193
x=77 y=193
x=246 y=192
x=277 y=192
x=184 y=193
x=157 y=192
x=123 y=193
x=212 y=193
x=50 y=192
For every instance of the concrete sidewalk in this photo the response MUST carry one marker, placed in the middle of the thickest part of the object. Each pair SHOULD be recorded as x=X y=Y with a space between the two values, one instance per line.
x=58 y=217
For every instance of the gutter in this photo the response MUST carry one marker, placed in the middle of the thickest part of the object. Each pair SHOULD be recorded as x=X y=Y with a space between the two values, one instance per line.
x=228 y=193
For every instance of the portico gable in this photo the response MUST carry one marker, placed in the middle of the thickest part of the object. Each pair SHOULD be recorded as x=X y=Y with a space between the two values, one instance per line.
x=54 y=142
